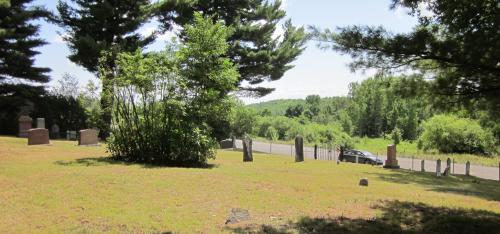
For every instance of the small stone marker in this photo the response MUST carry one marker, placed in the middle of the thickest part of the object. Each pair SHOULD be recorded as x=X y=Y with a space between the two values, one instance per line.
x=422 y=166
x=226 y=144
x=247 y=150
x=38 y=136
x=238 y=215
x=363 y=182
x=391 y=161
x=54 y=131
x=25 y=123
x=467 y=168
x=438 y=167
x=299 y=149
x=70 y=135
x=233 y=138
x=88 y=137
x=447 y=170
x=40 y=123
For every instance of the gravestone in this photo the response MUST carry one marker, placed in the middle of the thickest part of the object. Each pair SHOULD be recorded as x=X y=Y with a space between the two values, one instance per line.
x=299 y=149
x=447 y=171
x=233 y=138
x=467 y=168
x=391 y=161
x=70 y=135
x=88 y=137
x=422 y=166
x=438 y=167
x=237 y=215
x=40 y=123
x=363 y=182
x=25 y=123
x=54 y=131
x=38 y=136
x=226 y=144
x=247 y=150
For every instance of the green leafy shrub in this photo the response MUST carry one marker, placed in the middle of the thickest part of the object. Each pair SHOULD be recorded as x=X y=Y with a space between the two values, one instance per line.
x=166 y=105
x=451 y=134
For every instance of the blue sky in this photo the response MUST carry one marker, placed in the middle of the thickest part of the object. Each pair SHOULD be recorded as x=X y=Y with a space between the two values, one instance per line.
x=316 y=71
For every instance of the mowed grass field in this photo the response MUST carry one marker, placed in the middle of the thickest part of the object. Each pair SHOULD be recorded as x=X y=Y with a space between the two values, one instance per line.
x=63 y=188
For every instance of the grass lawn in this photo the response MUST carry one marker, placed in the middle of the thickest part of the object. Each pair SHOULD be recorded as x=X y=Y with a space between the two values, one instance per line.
x=66 y=188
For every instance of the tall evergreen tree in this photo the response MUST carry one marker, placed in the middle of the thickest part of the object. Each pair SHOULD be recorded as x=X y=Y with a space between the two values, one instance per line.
x=18 y=73
x=18 y=40
x=259 y=55
x=97 y=26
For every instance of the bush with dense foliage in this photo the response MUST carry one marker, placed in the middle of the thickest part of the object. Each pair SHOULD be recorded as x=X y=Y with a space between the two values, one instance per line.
x=165 y=103
x=451 y=134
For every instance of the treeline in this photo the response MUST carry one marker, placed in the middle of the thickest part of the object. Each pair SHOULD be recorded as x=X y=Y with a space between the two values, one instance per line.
x=394 y=107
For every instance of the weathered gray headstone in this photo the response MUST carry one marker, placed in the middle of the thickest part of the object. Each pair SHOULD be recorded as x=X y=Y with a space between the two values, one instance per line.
x=38 y=136
x=25 y=123
x=299 y=149
x=40 y=123
x=363 y=182
x=422 y=166
x=70 y=135
x=233 y=138
x=237 y=215
x=467 y=168
x=88 y=137
x=226 y=144
x=438 y=167
x=54 y=131
x=447 y=171
x=247 y=150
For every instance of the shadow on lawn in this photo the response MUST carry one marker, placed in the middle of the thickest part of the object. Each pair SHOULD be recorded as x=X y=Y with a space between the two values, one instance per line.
x=396 y=217
x=458 y=184
x=100 y=161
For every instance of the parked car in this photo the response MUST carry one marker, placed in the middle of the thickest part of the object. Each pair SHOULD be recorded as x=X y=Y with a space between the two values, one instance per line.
x=363 y=157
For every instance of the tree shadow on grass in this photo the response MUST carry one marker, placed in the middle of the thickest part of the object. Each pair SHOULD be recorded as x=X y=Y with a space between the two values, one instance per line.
x=396 y=217
x=458 y=184
x=101 y=161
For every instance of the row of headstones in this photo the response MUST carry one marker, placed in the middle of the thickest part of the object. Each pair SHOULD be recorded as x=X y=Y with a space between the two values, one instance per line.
x=447 y=170
x=391 y=161
x=40 y=135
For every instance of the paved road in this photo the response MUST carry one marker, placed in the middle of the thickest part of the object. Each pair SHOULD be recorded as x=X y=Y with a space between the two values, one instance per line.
x=492 y=173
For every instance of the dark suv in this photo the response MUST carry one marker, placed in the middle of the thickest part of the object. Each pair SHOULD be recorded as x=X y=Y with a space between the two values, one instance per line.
x=363 y=157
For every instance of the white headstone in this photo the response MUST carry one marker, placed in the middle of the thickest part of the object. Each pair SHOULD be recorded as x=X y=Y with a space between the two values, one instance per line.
x=40 y=123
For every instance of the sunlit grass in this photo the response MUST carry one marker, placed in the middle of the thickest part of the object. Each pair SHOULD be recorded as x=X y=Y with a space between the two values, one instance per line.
x=67 y=188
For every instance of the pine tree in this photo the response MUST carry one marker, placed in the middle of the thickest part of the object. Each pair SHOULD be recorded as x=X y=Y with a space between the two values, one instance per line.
x=18 y=39
x=95 y=28
x=258 y=54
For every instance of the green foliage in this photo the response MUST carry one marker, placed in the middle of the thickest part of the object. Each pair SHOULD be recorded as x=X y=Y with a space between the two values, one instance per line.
x=18 y=39
x=96 y=31
x=381 y=103
x=455 y=42
x=272 y=133
x=294 y=111
x=396 y=136
x=451 y=134
x=66 y=112
x=258 y=56
x=166 y=105
x=243 y=121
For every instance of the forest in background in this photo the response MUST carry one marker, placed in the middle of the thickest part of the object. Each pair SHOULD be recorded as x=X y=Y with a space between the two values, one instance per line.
x=399 y=108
